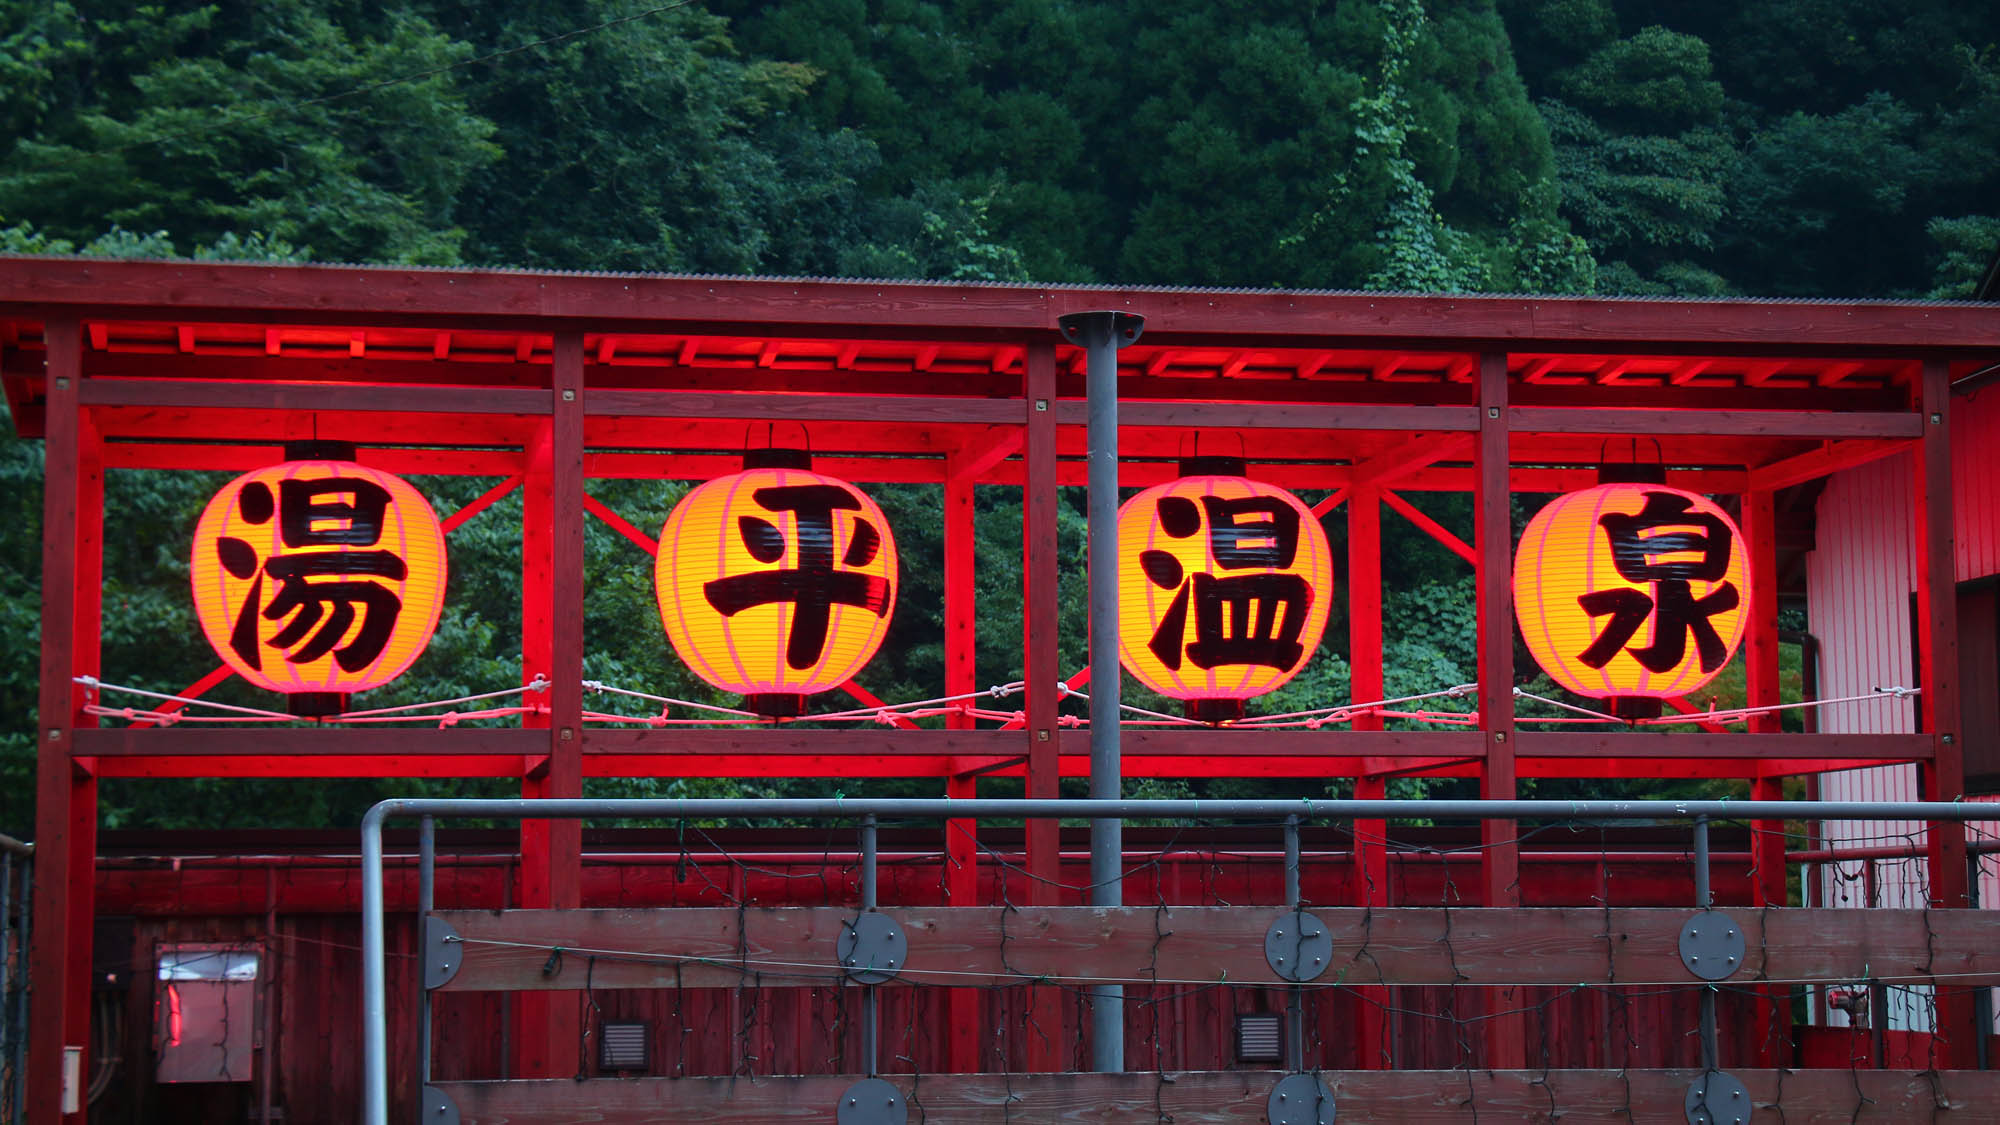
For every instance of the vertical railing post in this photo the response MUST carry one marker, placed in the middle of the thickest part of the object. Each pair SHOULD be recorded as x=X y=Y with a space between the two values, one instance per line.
x=374 y=992
x=1295 y=1019
x=1101 y=335
x=426 y=898
x=870 y=1013
x=1703 y=899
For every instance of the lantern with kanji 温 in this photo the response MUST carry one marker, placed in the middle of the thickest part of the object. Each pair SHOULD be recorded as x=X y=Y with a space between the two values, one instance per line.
x=1631 y=590
x=319 y=576
x=776 y=582
x=1223 y=587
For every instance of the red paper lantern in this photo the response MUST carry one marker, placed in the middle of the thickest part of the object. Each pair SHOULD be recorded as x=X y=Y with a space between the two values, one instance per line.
x=1223 y=588
x=318 y=577
x=776 y=582
x=1631 y=590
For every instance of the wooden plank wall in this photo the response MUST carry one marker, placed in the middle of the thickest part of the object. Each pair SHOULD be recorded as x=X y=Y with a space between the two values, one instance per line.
x=725 y=1031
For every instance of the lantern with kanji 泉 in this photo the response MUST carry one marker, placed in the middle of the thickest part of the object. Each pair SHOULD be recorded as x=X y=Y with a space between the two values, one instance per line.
x=1223 y=587
x=776 y=582
x=1631 y=592
x=318 y=577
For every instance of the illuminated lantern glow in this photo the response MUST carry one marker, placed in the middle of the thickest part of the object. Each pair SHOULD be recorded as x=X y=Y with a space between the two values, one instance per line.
x=776 y=582
x=1631 y=590
x=1224 y=584
x=319 y=576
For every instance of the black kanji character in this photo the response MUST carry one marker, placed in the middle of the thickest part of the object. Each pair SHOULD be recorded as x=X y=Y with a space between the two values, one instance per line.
x=1226 y=630
x=1675 y=610
x=814 y=585
x=298 y=508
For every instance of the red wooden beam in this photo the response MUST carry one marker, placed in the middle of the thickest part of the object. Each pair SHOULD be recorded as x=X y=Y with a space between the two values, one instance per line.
x=1943 y=777
x=236 y=743
x=1431 y=527
x=868 y=698
x=61 y=873
x=1642 y=744
x=620 y=524
x=1364 y=647
x=480 y=503
x=977 y=456
x=1680 y=703
x=243 y=458
x=698 y=466
x=1499 y=856
x=471 y=299
x=1831 y=458
x=961 y=843
x=1287 y=416
x=1709 y=423
x=1040 y=663
x=304 y=398
x=1767 y=837
x=1419 y=452
x=806 y=407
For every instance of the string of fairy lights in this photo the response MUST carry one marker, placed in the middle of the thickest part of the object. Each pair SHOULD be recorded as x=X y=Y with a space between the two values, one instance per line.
x=685 y=712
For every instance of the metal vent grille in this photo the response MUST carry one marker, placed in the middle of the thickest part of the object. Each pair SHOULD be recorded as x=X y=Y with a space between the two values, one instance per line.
x=622 y=1046
x=1257 y=1039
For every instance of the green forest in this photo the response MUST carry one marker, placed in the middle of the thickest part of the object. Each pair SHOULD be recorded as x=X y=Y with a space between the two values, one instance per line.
x=1782 y=148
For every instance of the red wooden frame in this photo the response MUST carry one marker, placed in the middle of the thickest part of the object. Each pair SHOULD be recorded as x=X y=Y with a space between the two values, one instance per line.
x=550 y=380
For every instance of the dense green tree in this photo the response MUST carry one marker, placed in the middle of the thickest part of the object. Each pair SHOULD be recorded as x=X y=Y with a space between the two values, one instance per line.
x=210 y=120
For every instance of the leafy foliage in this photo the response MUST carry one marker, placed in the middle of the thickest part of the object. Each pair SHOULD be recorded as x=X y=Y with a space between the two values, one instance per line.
x=1691 y=147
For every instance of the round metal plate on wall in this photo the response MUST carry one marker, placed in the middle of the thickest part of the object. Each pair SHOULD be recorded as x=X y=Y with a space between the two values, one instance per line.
x=872 y=948
x=1718 y=1099
x=872 y=1101
x=1300 y=1099
x=1712 y=945
x=1298 y=946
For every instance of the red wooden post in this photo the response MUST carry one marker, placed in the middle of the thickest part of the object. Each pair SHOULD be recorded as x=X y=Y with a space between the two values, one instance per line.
x=961 y=636
x=1364 y=648
x=1772 y=1018
x=1943 y=778
x=1041 y=672
x=66 y=797
x=85 y=659
x=1499 y=856
x=548 y=1030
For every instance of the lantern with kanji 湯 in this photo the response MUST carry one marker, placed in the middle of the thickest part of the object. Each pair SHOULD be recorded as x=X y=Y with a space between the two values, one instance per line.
x=1631 y=590
x=319 y=576
x=776 y=582
x=1223 y=587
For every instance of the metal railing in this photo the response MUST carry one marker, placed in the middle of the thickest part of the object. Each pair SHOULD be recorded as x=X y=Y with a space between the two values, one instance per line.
x=1289 y=814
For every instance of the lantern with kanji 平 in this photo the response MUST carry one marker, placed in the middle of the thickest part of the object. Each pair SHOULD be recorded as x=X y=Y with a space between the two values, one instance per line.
x=776 y=582
x=1631 y=590
x=1223 y=587
x=319 y=576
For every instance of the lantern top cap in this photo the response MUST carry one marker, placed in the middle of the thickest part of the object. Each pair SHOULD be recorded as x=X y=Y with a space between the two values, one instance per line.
x=319 y=451
x=777 y=457
x=1214 y=466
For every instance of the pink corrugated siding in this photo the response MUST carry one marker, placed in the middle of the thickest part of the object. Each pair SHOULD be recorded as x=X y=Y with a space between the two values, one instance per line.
x=1861 y=577
x=1975 y=482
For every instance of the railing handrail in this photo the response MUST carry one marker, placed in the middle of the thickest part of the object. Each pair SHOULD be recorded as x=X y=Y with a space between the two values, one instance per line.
x=375 y=1083
x=934 y=808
